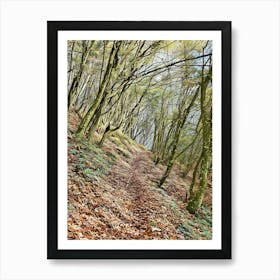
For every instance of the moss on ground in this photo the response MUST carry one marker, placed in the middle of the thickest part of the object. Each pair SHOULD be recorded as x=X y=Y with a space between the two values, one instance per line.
x=91 y=161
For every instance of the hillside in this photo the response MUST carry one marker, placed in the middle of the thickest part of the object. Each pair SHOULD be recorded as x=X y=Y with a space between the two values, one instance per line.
x=113 y=193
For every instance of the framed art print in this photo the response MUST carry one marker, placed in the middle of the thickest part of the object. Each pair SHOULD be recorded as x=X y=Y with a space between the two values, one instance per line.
x=139 y=140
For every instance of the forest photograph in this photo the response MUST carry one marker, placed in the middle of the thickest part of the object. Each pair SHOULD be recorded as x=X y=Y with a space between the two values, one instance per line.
x=139 y=139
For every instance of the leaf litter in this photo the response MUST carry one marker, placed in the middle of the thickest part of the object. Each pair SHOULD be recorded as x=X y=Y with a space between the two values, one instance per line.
x=113 y=194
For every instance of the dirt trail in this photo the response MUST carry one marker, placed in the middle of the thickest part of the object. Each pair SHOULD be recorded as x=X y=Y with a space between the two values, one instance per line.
x=113 y=194
x=147 y=211
x=136 y=186
x=131 y=177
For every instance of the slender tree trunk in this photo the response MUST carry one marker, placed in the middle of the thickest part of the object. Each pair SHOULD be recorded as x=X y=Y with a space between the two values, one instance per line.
x=70 y=69
x=86 y=120
x=196 y=198
x=106 y=133
x=179 y=126
x=96 y=120
x=167 y=172
x=73 y=91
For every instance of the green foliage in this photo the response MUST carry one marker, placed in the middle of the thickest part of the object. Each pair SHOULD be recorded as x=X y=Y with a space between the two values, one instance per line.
x=188 y=233
x=152 y=224
x=123 y=145
x=112 y=156
x=200 y=227
x=92 y=162
x=116 y=141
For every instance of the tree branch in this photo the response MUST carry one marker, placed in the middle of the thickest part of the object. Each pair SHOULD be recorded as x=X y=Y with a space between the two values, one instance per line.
x=173 y=63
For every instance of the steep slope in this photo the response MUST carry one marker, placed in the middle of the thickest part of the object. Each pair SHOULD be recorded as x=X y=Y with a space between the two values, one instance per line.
x=113 y=194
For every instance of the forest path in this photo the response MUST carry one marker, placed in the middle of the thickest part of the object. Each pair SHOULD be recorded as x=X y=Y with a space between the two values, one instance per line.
x=134 y=178
x=137 y=187
x=113 y=194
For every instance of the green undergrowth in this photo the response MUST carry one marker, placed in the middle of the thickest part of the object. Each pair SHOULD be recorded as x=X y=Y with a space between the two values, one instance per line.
x=200 y=227
x=125 y=141
x=120 y=149
x=125 y=146
x=91 y=162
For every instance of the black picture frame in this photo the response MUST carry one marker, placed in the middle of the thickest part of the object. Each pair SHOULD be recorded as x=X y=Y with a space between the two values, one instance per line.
x=52 y=129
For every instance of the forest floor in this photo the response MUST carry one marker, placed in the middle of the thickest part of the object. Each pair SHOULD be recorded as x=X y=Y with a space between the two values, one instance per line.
x=113 y=194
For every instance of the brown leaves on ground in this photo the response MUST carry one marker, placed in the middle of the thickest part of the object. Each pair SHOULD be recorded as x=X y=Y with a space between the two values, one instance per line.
x=125 y=202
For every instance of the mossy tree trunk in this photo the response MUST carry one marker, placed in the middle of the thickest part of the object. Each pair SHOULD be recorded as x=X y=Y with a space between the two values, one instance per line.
x=73 y=91
x=196 y=196
x=102 y=91
x=108 y=131
x=96 y=119
x=179 y=126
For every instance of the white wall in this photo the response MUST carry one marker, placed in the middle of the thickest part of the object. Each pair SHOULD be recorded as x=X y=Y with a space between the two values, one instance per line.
x=255 y=139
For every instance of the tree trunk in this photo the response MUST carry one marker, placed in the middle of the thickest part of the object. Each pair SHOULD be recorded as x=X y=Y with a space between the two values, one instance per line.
x=179 y=126
x=87 y=118
x=96 y=119
x=107 y=75
x=106 y=133
x=73 y=91
x=196 y=198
